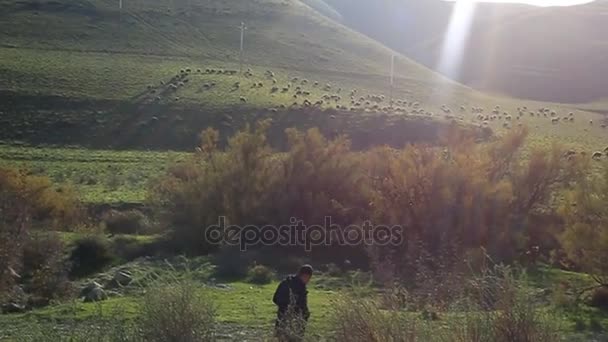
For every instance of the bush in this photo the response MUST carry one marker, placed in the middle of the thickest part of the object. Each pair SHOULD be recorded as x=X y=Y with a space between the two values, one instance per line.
x=45 y=270
x=126 y=222
x=599 y=298
x=28 y=201
x=585 y=215
x=458 y=197
x=128 y=248
x=233 y=184
x=55 y=206
x=364 y=321
x=515 y=318
x=231 y=263
x=177 y=312
x=90 y=254
x=260 y=274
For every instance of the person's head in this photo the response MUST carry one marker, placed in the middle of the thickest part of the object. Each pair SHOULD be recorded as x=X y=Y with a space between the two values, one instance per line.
x=305 y=273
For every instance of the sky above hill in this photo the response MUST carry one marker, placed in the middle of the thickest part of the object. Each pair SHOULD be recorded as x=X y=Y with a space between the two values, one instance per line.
x=538 y=2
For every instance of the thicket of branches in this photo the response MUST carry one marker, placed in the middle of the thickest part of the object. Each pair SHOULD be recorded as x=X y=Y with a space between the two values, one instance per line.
x=585 y=235
x=456 y=198
x=29 y=205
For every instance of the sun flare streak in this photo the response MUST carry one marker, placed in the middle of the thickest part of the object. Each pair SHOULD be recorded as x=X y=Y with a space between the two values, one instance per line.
x=455 y=38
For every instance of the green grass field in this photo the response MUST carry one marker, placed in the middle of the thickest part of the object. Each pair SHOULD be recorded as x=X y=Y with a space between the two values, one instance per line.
x=98 y=176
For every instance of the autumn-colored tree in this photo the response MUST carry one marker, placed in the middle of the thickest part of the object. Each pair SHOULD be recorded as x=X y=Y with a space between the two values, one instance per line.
x=27 y=202
x=450 y=198
x=585 y=238
x=464 y=195
x=233 y=183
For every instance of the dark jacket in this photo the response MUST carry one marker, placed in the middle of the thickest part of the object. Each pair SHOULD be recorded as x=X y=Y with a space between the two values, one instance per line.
x=292 y=294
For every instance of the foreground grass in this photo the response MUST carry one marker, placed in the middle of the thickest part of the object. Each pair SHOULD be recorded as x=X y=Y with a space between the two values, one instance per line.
x=242 y=305
x=247 y=308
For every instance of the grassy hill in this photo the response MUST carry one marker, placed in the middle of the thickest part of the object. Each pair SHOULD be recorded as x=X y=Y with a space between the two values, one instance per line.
x=88 y=73
x=280 y=34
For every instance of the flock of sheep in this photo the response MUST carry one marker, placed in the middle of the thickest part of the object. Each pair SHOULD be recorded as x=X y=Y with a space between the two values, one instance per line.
x=302 y=91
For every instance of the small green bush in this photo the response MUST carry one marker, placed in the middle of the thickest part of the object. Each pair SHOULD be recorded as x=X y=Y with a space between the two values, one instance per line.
x=127 y=248
x=45 y=270
x=231 y=263
x=599 y=298
x=260 y=274
x=126 y=222
x=90 y=254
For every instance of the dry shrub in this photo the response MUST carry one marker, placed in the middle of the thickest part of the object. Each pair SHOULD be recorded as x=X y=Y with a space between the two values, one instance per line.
x=506 y=311
x=463 y=196
x=45 y=269
x=321 y=178
x=260 y=274
x=126 y=222
x=514 y=317
x=28 y=202
x=448 y=199
x=365 y=321
x=234 y=184
x=45 y=203
x=585 y=237
x=177 y=312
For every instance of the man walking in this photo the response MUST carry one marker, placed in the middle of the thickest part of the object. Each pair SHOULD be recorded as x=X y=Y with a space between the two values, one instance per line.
x=291 y=298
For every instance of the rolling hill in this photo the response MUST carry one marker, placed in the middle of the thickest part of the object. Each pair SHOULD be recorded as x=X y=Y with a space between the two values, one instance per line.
x=556 y=54
x=89 y=73
x=153 y=74
x=280 y=34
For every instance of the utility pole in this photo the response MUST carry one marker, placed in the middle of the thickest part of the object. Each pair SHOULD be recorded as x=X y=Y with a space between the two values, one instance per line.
x=392 y=79
x=119 y=12
x=242 y=28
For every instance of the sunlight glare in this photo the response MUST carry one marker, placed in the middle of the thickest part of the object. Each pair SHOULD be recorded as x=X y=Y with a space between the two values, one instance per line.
x=455 y=38
x=541 y=3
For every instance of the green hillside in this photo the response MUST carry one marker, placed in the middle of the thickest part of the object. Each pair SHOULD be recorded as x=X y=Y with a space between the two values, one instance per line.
x=157 y=36
x=154 y=73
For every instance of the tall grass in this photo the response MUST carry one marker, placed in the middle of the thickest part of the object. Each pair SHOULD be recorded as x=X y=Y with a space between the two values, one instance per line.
x=173 y=309
x=513 y=317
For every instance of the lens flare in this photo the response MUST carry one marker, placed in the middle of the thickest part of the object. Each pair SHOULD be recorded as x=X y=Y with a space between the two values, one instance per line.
x=455 y=38
x=542 y=3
